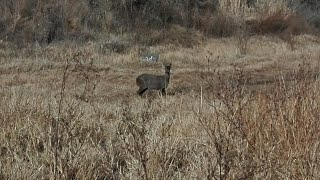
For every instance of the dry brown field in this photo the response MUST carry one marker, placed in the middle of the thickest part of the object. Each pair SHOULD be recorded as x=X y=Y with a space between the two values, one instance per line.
x=69 y=111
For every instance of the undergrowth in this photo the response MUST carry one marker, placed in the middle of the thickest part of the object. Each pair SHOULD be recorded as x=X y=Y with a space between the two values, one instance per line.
x=235 y=132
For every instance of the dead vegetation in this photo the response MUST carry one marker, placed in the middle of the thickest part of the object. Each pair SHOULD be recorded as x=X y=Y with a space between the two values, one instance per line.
x=223 y=118
x=29 y=21
x=243 y=99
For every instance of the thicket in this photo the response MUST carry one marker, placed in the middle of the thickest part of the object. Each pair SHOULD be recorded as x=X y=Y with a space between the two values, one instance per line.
x=28 y=21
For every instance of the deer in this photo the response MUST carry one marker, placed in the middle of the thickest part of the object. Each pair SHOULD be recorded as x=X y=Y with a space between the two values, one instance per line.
x=154 y=82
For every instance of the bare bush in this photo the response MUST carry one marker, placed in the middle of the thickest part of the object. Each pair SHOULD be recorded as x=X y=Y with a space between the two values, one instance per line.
x=237 y=145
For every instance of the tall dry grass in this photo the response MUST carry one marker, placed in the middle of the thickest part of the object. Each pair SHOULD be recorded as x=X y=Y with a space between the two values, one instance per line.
x=225 y=125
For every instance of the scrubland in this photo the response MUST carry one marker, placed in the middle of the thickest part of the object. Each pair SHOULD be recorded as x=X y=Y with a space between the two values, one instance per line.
x=244 y=106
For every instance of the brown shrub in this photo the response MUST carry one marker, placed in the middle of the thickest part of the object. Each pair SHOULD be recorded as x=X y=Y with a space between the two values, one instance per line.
x=297 y=24
x=280 y=22
x=272 y=24
x=217 y=24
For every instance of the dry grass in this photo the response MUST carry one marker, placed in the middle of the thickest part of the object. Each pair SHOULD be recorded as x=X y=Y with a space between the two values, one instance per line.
x=226 y=116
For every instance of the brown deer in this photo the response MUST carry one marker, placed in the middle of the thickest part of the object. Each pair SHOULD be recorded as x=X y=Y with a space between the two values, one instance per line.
x=154 y=82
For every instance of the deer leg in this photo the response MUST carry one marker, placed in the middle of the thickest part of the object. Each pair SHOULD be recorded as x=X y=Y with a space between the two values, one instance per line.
x=141 y=91
x=163 y=91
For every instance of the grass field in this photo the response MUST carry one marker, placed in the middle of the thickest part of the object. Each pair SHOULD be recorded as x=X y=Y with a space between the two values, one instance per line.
x=71 y=112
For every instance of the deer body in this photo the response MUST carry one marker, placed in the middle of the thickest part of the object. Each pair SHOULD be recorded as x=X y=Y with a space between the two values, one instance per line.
x=153 y=82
